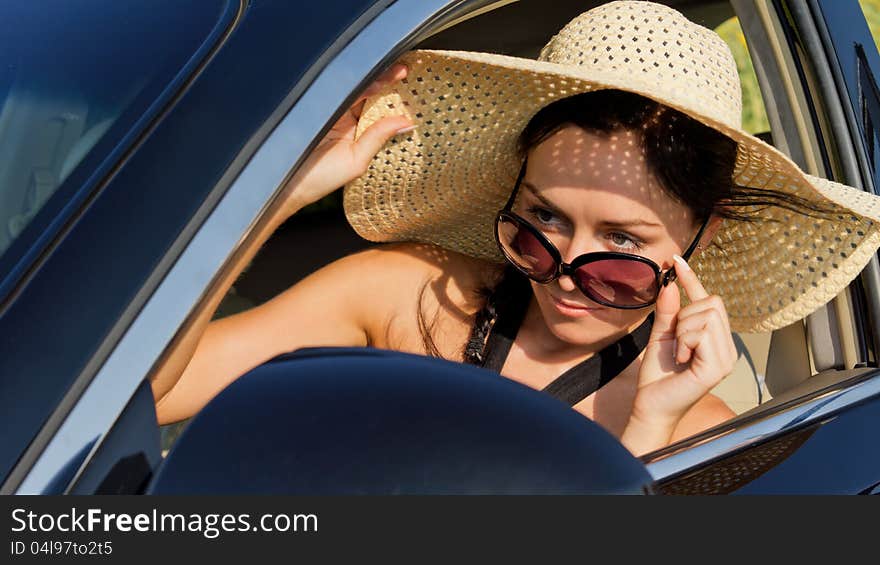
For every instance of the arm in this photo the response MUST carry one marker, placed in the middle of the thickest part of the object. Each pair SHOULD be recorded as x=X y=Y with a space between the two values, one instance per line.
x=324 y=309
x=708 y=412
x=689 y=352
x=193 y=348
x=212 y=354
x=642 y=436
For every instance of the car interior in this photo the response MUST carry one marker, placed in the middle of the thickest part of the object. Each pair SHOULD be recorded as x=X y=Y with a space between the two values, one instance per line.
x=770 y=364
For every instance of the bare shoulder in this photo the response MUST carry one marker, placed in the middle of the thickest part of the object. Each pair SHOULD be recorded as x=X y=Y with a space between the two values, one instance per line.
x=421 y=262
x=709 y=411
x=388 y=269
x=393 y=280
x=393 y=262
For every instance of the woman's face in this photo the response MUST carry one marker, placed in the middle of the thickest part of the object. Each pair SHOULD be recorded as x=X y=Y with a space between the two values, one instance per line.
x=593 y=192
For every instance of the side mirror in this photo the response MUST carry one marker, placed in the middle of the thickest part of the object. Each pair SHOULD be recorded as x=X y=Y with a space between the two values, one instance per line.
x=365 y=421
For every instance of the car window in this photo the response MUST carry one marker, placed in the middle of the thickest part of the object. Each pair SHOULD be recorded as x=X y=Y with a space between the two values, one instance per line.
x=77 y=80
x=754 y=115
x=504 y=30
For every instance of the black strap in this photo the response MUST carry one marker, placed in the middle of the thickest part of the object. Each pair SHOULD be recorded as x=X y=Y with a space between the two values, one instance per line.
x=510 y=314
x=590 y=375
x=583 y=379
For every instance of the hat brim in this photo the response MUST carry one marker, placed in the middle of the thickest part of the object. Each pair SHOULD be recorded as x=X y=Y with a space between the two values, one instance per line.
x=444 y=182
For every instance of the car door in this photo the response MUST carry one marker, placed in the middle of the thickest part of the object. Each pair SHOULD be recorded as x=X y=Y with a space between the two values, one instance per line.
x=76 y=116
x=146 y=248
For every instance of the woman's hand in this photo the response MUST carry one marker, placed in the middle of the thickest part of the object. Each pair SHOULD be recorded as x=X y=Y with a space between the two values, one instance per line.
x=690 y=350
x=338 y=158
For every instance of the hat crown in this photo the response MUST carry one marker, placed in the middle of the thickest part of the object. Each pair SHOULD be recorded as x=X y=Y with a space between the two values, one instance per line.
x=687 y=65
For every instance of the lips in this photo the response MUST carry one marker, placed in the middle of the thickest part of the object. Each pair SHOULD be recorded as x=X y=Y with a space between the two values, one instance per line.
x=572 y=309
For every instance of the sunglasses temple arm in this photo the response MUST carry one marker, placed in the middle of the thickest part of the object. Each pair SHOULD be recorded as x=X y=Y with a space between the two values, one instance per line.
x=689 y=251
x=519 y=178
x=670 y=274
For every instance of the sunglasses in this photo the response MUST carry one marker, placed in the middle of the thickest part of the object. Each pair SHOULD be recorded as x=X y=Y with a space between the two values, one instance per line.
x=610 y=278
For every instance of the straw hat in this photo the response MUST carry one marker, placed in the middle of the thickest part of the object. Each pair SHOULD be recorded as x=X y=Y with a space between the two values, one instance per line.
x=444 y=182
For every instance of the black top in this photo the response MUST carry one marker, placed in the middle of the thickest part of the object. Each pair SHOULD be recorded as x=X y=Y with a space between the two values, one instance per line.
x=583 y=379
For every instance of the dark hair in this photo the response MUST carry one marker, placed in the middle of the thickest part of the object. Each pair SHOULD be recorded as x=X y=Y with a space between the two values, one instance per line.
x=693 y=163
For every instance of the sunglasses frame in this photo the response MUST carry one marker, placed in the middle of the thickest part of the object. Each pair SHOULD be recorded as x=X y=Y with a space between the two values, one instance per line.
x=663 y=278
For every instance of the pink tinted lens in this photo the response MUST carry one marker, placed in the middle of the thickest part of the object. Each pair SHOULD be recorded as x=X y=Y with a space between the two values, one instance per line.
x=622 y=282
x=525 y=250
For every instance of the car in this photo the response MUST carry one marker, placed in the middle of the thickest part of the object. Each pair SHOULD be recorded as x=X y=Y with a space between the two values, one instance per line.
x=143 y=143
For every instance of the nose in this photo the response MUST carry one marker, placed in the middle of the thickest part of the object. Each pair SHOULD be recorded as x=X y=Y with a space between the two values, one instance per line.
x=574 y=248
x=566 y=283
x=581 y=242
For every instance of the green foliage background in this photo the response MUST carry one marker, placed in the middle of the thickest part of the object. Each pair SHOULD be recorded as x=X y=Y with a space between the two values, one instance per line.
x=871 y=8
x=754 y=114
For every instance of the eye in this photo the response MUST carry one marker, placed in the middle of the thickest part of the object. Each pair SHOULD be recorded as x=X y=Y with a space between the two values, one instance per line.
x=543 y=216
x=624 y=241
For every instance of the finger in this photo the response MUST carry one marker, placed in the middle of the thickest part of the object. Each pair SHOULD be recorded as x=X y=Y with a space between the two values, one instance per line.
x=706 y=319
x=711 y=344
x=375 y=136
x=665 y=313
x=396 y=73
x=711 y=324
x=688 y=280
x=713 y=302
x=358 y=108
x=687 y=343
x=726 y=350
x=723 y=352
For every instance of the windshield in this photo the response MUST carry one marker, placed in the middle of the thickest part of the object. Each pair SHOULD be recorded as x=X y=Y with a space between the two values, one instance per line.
x=77 y=80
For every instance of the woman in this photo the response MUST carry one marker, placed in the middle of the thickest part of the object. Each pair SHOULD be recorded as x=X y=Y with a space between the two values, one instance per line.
x=594 y=174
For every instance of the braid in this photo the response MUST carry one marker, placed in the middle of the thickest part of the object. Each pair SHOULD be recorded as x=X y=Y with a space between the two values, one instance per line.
x=473 y=351
x=509 y=287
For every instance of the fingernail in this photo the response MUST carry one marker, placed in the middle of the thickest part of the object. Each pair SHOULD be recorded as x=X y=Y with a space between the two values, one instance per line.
x=405 y=130
x=681 y=261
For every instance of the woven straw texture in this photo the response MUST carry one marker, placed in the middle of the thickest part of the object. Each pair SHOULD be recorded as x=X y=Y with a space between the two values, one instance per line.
x=444 y=182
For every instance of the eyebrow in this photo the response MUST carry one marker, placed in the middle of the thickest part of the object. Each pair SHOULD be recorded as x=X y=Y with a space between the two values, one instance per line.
x=631 y=223
x=553 y=207
x=612 y=223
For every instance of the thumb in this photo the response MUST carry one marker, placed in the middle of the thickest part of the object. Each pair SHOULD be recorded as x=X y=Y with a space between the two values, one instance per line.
x=666 y=312
x=375 y=136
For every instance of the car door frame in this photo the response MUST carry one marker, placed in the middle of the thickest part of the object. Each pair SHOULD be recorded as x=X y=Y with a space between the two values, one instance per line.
x=378 y=37
x=850 y=80
x=834 y=391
